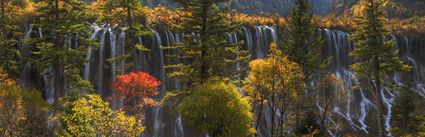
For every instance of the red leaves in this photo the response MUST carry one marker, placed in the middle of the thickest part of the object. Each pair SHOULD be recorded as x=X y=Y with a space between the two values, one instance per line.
x=138 y=87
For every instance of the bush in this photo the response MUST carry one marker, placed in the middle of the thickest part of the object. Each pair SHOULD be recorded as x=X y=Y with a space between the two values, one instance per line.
x=218 y=109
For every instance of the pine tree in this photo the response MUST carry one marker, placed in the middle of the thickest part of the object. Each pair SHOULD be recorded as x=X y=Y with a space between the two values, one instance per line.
x=127 y=14
x=403 y=120
x=303 y=46
x=376 y=57
x=300 y=42
x=9 y=32
x=205 y=50
x=63 y=45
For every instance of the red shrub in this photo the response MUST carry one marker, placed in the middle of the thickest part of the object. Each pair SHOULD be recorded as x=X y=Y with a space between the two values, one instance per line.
x=137 y=89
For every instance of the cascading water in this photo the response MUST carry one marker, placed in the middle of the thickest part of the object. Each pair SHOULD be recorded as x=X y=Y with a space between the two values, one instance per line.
x=355 y=108
x=25 y=65
x=101 y=61
x=113 y=53
x=48 y=79
x=121 y=51
x=265 y=35
x=158 y=58
x=89 y=53
x=263 y=40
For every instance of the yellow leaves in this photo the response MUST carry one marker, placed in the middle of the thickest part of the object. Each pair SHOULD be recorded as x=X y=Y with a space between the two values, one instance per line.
x=11 y=106
x=4 y=78
x=273 y=74
x=359 y=8
x=216 y=105
x=128 y=126
x=256 y=20
x=96 y=7
x=29 y=8
x=162 y=15
x=91 y=116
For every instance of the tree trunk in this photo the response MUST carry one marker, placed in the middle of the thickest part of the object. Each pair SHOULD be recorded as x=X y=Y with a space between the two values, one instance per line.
x=2 y=22
x=273 y=115
x=130 y=42
x=380 y=107
x=259 y=114
x=280 y=125
x=322 y=123
x=57 y=66
x=204 y=67
x=325 y=110
x=379 y=101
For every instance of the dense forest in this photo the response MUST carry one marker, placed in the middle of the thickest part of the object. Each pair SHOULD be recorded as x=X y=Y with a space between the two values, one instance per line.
x=214 y=68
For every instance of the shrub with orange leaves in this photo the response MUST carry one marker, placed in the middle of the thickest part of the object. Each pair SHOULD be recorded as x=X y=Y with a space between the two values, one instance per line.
x=137 y=90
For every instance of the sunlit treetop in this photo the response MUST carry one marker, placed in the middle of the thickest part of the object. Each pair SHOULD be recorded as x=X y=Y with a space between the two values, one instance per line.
x=4 y=78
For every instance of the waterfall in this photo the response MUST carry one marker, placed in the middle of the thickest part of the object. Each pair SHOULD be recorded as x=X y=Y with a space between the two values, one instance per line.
x=354 y=109
x=159 y=72
x=364 y=109
x=273 y=33
x=89 y=54
x=101 y=62
x=388 y=102
x=141 y=61
x=178 y=130
x=113 y=53
x=248 y=41
x=24 y=77
x=260 y=41
x=121 y=50
x=178 y=38
x=48 y=80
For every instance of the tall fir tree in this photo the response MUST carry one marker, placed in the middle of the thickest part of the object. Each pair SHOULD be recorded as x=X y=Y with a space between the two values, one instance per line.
x=301 y=42
x=403 y=119
x=128 y=14
x=63 y=44
x=10 y=54
x=376 y=57
x=205 y=50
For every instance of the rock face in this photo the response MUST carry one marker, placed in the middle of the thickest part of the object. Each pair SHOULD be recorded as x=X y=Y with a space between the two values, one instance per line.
x=355 y=112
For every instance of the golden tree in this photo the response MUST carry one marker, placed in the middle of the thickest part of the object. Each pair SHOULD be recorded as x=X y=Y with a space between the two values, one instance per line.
x=275 y=80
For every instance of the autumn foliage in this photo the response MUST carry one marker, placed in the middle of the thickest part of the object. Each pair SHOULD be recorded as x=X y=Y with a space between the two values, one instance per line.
x=137 y=89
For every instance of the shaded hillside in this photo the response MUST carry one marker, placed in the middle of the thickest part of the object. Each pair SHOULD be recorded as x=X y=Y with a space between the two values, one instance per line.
x=263 y=7
x=399 y=8
x=395 y=8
